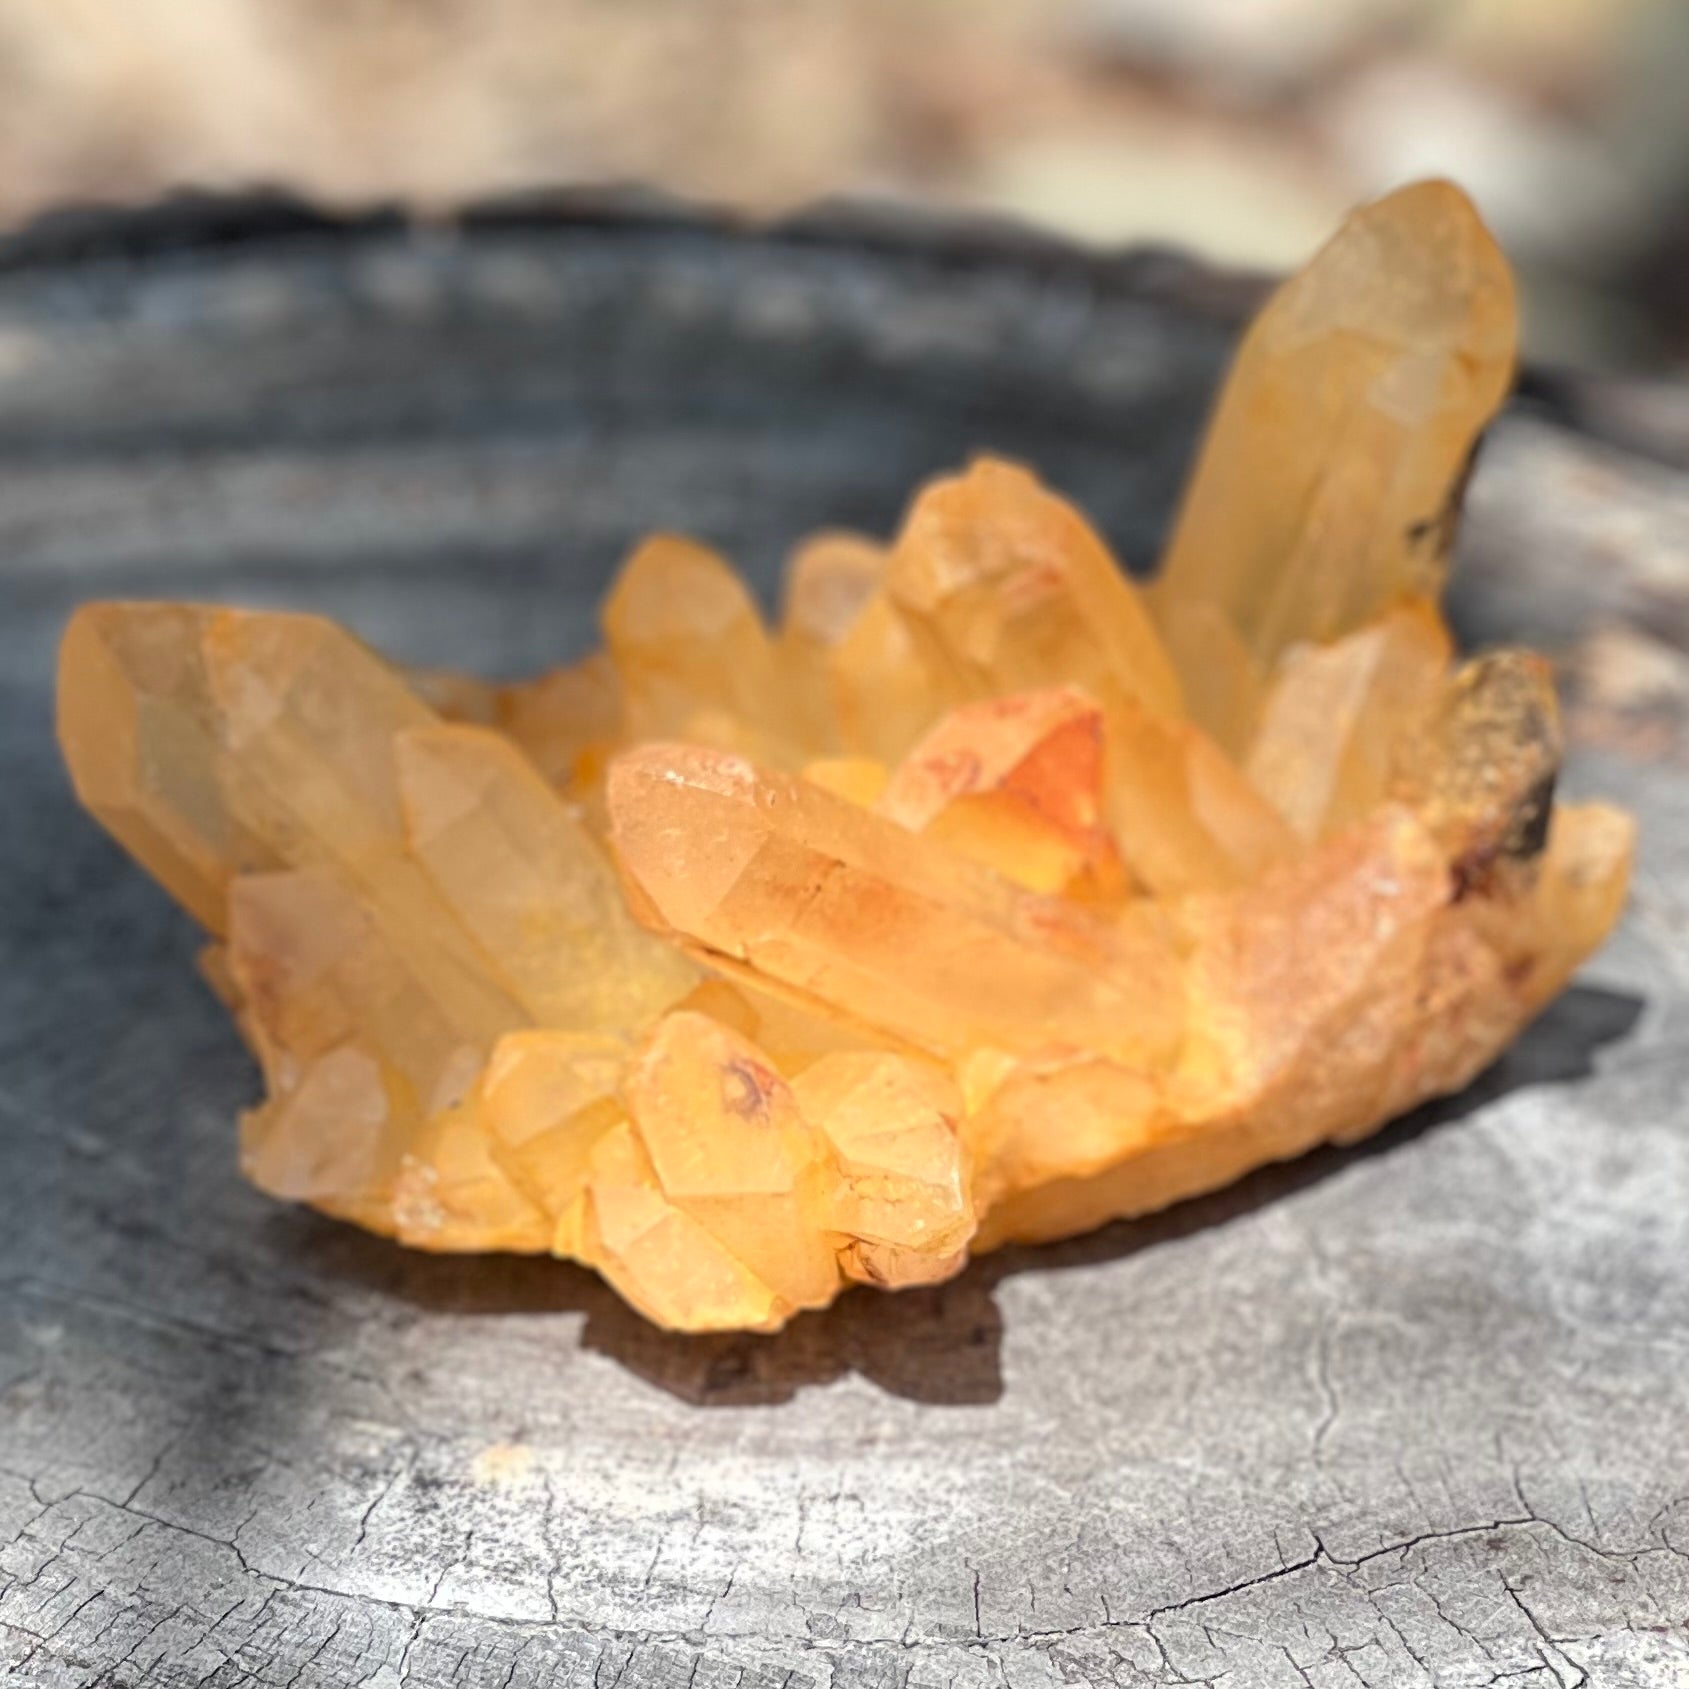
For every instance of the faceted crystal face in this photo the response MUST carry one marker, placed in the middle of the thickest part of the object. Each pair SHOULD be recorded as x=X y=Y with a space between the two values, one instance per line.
x=984 y=897
x=1330 y=478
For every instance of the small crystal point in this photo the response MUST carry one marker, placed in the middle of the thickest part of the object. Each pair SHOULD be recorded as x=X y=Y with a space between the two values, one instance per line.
x=1017 y=783
x=1011 y=589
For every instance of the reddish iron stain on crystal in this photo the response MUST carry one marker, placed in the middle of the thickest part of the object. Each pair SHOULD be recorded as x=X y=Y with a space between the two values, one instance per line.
x=986 y=898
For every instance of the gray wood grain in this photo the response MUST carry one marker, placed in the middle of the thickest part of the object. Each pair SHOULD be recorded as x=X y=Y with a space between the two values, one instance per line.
x=1409 y=1415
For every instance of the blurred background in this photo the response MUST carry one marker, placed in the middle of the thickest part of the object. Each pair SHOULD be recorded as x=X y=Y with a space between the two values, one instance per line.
x=1240 y=128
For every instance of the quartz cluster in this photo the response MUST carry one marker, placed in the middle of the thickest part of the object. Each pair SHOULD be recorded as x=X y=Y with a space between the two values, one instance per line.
x=986 y=897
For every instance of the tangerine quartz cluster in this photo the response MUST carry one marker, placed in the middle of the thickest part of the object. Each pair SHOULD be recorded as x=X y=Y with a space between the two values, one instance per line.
x=986 y=898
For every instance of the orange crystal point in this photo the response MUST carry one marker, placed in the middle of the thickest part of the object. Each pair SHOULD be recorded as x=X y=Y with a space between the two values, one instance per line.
x=867 y=920
x=1223 y=682
x=732 y=1150
x=902 y=1195
x=1186 y=818
x=527 y=883
x=667 y=1264
x=451 y=1193
x=1330 y=478
x=691 y=652
x=830 y=580
x=1016 y=783
x=139 y=729
x=884 y=689
x=1073 y=913
x=304 y=721
x=365 y=1025
x=1336 y=715
x=547 y=1099
x=1011 y=589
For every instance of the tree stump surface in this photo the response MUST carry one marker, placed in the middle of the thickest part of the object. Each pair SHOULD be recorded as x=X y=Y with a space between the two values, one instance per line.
x=1413 y=1413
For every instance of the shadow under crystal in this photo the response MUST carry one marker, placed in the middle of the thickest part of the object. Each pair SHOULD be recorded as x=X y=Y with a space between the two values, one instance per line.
x=940 y=1344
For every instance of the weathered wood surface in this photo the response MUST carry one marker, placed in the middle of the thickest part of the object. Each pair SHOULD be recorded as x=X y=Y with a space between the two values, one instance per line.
x=1413 y=1414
